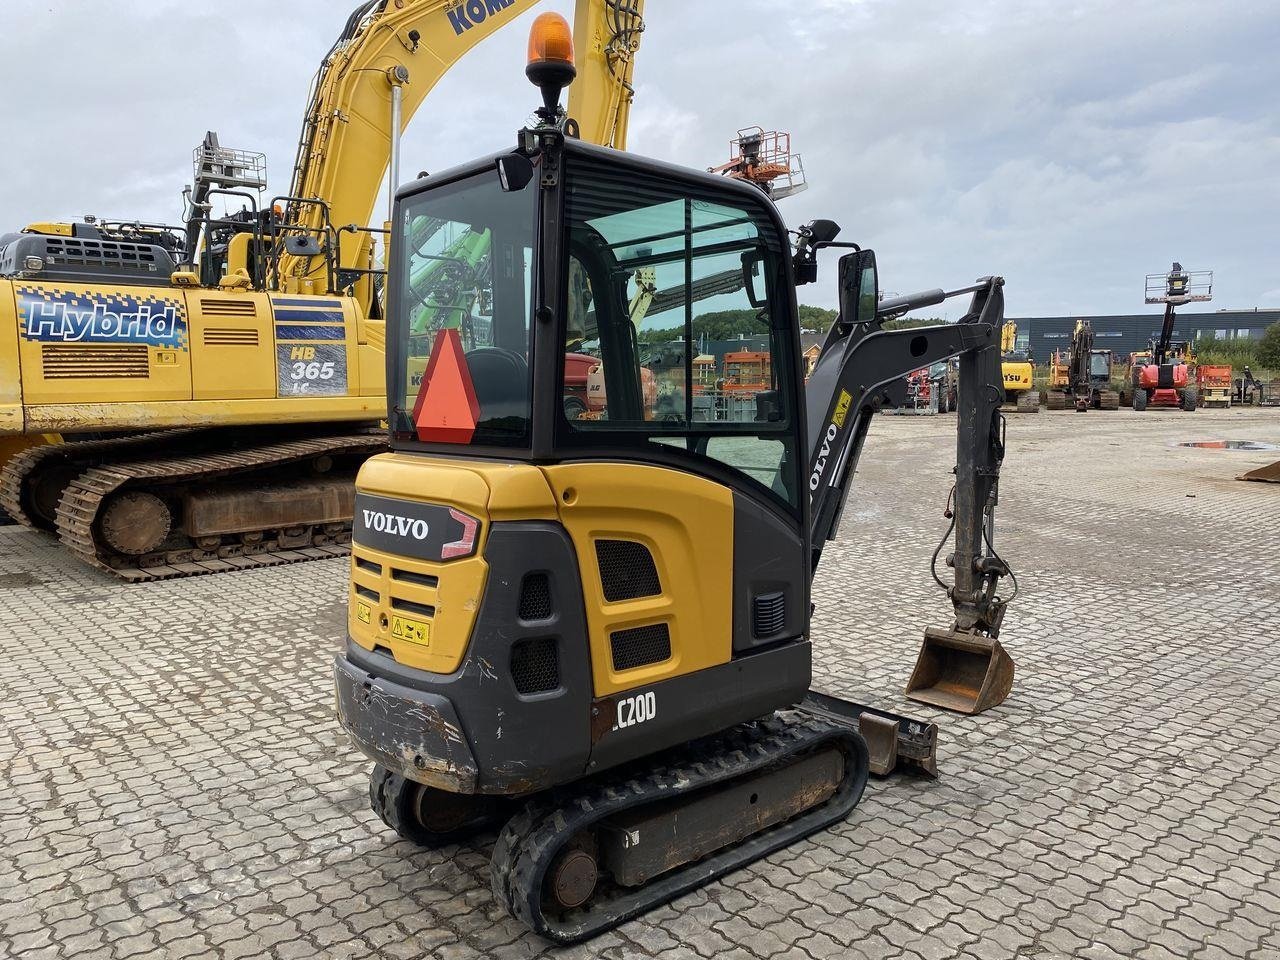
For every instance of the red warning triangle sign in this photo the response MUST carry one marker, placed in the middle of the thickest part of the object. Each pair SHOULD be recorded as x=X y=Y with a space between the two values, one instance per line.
x=446 y=410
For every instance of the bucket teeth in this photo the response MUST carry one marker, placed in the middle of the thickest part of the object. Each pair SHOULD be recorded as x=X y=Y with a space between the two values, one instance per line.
x=962 y=671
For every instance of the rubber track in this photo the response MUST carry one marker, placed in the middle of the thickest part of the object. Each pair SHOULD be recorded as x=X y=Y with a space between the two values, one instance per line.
x=529 y=843
x=16 y=471
x=84 y=496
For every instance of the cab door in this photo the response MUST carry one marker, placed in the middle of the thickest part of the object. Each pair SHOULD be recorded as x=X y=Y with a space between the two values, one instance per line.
x=684 y=504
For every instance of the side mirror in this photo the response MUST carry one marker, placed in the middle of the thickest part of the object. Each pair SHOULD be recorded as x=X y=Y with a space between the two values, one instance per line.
x=515 y=170
x=751 y=261
x=859 y=287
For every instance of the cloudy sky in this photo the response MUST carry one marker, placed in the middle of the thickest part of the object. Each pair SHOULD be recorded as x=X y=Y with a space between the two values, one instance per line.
x=1071 y=147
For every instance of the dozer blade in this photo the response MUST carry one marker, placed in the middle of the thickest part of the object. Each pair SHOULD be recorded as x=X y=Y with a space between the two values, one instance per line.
x=1268 y=474
x=961 y=671
x=893 y=741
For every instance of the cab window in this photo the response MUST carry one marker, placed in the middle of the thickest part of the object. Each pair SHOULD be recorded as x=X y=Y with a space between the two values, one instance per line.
x=676 y=329
x=460 y=338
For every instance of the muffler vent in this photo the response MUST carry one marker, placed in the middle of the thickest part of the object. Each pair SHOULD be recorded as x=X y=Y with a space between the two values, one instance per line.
x=768 y=615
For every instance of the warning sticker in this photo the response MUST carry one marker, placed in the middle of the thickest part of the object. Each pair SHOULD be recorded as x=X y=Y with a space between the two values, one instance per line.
x=842 y=409
x=363 y=613
x=415 y=631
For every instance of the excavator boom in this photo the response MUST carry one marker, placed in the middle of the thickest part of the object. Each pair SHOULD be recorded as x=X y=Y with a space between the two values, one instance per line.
x=385 y=62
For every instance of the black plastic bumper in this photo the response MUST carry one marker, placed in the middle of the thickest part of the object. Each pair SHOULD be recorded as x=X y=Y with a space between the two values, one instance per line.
x=410 y=732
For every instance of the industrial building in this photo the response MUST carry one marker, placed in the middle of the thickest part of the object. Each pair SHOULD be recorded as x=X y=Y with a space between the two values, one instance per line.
x=1127 y=333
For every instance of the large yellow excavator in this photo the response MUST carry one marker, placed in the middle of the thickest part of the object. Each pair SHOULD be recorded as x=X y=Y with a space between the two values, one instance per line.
x=221 y=381
x=1017 y=371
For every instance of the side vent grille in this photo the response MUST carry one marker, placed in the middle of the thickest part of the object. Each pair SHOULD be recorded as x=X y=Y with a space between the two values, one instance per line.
x=413 y=576
x=535 y=665
x=640 y=646
x=535 y=597
x=230 y=337
x=768 y=615
x=626 y=570
x=99 y=361
x=229 y=308
x=412 y=606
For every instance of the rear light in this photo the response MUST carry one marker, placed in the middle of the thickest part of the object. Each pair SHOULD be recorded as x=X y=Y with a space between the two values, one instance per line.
x=466 y=544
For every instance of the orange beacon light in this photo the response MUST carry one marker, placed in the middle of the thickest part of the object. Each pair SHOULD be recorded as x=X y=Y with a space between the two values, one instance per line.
x=550 y=66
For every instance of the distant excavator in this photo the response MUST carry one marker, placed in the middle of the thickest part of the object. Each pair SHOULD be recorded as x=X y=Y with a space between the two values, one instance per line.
x=1017 y=371
x=1081 y=377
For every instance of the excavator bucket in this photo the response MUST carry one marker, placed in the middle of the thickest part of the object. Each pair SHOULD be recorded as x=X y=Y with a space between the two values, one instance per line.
x=1268 y=474
x=961 y=671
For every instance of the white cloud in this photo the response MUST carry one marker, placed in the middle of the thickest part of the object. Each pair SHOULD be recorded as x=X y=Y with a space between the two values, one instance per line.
x=1071 y=147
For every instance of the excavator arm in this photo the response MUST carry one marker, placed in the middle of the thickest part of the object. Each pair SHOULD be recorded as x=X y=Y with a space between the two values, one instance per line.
x=962 y=668
x=388 y=57
x=606 y=38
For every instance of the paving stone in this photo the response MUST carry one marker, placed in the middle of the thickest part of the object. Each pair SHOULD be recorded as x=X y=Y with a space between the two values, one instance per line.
x=173 y=783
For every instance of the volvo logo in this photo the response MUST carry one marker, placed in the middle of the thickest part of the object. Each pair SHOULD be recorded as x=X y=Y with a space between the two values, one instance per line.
x=397 y=526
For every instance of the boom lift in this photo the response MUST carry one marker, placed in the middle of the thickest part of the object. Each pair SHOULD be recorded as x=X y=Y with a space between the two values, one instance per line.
x=223 y=379
x=597 y=630
x=1165 y=381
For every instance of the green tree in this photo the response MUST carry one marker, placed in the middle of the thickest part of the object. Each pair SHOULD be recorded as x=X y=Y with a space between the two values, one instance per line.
x=1269 y=347
x=816 y=319
x=1237 y=353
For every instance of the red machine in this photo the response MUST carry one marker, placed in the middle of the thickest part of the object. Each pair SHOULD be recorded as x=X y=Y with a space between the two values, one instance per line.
x=1165 y=381
x=577 y=368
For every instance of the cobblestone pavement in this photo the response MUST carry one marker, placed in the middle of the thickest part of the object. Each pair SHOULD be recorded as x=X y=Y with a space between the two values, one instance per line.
x=173 y=783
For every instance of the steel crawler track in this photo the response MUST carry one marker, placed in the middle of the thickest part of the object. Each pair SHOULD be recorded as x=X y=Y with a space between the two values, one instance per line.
x=20 y=467
x=530 y=842
x=84 y=497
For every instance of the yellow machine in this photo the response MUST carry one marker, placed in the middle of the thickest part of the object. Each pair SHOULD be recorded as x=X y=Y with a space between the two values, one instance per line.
x=596 y=631
x=1081 y=377
x=224 y=379
x=1017 y=371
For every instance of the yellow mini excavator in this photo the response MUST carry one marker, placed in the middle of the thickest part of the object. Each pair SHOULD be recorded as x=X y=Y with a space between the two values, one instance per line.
x=596 y=631
x=219 y=382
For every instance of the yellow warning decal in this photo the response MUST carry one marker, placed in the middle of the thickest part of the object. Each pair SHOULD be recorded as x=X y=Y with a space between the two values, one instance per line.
x=363 y=613
x=842 y=408
x=415 y=631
